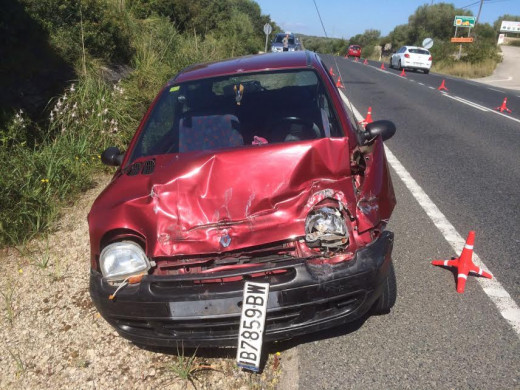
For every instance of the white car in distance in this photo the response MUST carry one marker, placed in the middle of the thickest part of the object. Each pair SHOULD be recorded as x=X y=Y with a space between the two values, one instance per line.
x=412 y=57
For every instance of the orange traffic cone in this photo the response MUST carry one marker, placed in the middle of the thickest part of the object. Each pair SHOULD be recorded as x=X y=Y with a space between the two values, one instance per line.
x=331 y=72
x=442 y=86
x=368 y=118
x=339 y=84
x=503 y=107
x=464 y=264
x=382 y=65
x=365 y=62
x=402 y=73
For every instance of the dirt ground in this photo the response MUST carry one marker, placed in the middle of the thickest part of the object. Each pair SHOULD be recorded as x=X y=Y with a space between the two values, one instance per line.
x=51 y=335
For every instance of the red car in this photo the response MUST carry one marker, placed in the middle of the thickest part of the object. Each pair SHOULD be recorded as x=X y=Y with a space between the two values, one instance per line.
x=354 y=51
x=246 y=172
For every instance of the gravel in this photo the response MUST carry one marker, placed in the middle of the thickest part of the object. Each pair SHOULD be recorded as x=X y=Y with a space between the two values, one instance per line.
x=51 y=335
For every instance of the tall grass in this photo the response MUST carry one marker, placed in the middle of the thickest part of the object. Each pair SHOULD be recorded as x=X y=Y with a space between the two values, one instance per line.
x=38 y=179
x=466 y=70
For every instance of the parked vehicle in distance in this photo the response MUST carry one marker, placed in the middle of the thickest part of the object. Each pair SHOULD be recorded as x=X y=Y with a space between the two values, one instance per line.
x=249 y=169
x=412 y=57
x=293 y=42
x=354 y=51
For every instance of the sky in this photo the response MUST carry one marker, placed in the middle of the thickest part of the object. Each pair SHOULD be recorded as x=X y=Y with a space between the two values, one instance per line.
x=345 y=18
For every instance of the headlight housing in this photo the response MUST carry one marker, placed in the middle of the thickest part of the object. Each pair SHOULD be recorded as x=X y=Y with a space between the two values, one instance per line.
x=326 y=227
x=120 y=260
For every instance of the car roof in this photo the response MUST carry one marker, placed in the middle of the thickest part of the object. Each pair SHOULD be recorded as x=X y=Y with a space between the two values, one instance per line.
x=247 y=64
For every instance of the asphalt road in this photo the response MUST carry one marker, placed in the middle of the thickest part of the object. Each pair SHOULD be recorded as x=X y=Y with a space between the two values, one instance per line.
x=466 y=158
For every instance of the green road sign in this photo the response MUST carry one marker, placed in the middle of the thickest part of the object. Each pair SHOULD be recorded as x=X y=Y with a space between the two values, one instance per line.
x=464 y=21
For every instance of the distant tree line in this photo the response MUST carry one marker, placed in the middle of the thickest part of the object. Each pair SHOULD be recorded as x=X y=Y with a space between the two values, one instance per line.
x=428 y=21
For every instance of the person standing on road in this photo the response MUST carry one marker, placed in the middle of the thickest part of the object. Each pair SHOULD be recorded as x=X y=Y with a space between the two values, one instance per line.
x=285 y=42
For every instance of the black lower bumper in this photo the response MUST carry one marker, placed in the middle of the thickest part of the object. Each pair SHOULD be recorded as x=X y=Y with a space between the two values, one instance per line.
x=303 y=298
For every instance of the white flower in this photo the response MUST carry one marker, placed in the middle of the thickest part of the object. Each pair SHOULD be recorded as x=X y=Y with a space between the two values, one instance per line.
x=72 y=88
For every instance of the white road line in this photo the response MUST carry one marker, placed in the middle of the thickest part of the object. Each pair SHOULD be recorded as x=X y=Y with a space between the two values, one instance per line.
x=506 y=116
x=498 y=90
x=420 y=83
x=492 y=287
x=469 y=103
x=431 y=87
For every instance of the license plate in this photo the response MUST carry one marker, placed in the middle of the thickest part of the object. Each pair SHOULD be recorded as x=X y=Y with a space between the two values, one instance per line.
x=252 y=323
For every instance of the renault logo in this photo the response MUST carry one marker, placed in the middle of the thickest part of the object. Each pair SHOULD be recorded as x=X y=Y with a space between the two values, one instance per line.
x=225 y=240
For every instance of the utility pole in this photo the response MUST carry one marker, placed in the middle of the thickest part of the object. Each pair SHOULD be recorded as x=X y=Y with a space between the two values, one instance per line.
x=479 y=9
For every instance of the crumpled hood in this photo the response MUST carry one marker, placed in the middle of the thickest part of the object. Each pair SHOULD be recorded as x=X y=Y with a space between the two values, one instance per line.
x=202 y=202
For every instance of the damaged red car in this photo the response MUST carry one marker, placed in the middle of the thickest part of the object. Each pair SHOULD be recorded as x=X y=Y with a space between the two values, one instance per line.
x=246 y=170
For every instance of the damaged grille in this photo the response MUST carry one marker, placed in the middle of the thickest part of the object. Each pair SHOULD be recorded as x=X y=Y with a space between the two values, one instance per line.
x=237 y=260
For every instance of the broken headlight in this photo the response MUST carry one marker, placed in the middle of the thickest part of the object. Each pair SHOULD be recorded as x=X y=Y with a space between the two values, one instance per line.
x=123 y=259
x=325 y=227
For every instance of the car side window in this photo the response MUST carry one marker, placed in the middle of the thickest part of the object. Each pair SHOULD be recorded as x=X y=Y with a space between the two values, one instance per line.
x=160 y=133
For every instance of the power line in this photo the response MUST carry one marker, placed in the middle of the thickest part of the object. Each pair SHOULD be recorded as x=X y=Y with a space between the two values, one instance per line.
x=321 y=21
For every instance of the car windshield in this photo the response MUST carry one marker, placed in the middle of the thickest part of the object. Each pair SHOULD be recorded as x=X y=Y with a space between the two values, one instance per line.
x=354 y=47
x=419 y=51
x=238 y=111
x=279 y=39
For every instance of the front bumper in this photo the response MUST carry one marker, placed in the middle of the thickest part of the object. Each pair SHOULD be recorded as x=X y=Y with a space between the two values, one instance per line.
x=167 y=310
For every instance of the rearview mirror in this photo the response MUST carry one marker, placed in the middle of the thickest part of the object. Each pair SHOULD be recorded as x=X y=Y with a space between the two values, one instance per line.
x=383 y=128
x=112 y=156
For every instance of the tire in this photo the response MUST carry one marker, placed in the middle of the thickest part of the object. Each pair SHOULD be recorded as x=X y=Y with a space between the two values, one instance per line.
x=426 y=71
x=390 y=63
x=389 y=295
x=399 y=65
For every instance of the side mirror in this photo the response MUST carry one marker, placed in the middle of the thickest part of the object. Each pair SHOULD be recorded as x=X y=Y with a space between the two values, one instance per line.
x=112 y=156
x=383 y=128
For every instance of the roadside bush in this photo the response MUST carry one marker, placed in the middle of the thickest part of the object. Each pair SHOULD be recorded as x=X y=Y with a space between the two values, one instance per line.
x=88 y=117
x=481 y=51
x=104 y=30
x=442 y=51
x=37 y=181
x=369 y=52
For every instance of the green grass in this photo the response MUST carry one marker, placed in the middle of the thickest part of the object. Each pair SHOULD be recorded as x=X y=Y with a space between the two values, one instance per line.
x=8 y=302
x=187 y=368
x=20 y=365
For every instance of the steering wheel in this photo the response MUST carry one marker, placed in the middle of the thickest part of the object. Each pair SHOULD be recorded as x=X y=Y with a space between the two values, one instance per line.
x=309 y=129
